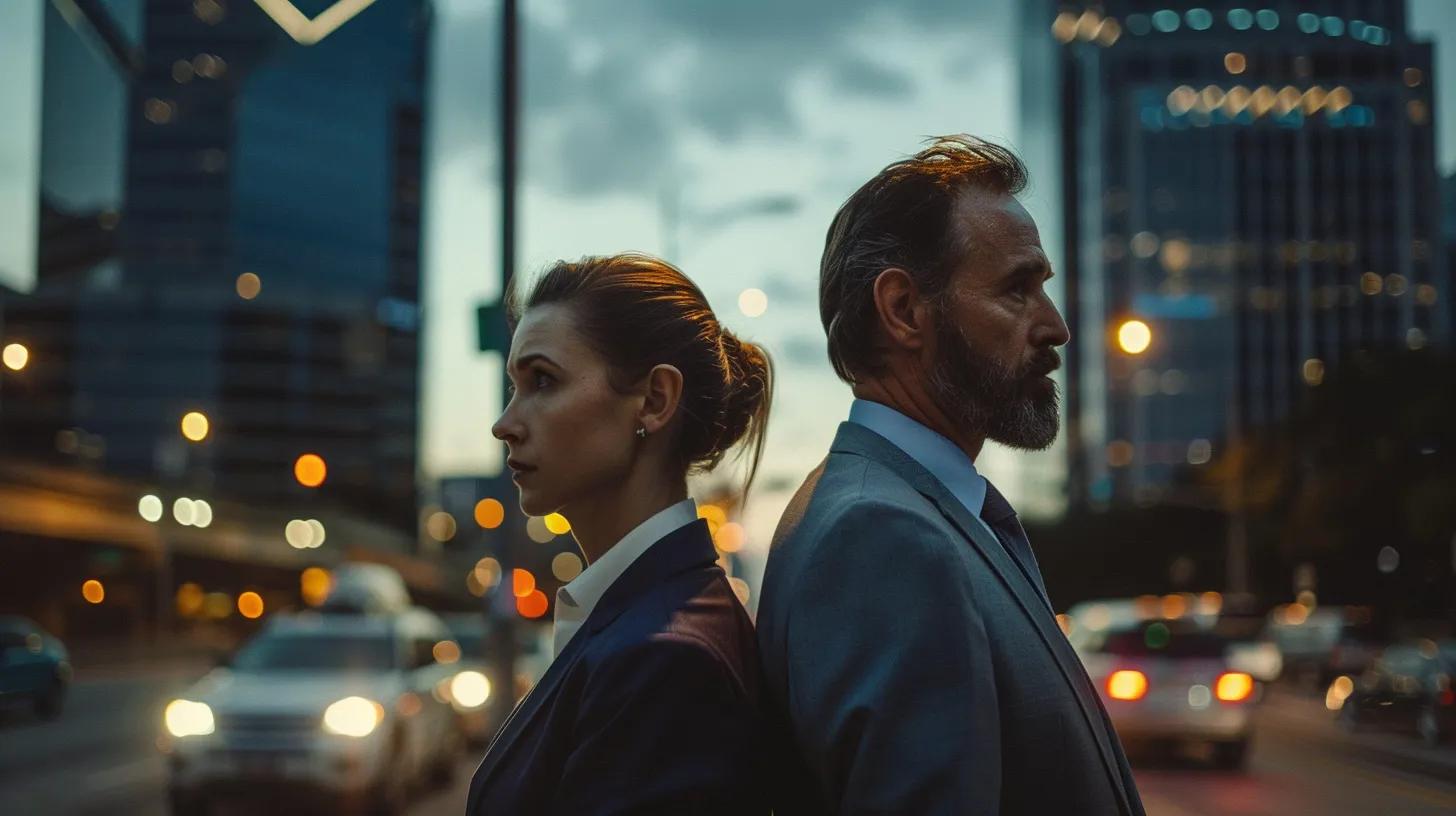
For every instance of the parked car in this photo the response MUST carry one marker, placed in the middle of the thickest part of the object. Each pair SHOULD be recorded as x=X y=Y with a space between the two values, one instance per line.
x=35 y=669
x=1407 y=688
x=1172 y=680
x=346 y=708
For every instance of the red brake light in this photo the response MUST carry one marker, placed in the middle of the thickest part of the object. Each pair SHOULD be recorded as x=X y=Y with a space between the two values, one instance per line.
x=1234 y=687
x=1127 y=685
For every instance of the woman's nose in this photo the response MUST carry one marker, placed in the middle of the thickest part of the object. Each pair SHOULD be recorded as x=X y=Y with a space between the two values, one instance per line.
x=506 y=428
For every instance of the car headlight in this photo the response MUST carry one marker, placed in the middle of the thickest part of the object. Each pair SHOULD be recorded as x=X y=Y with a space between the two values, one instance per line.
x=185 y=718
x=353 y=717
x=469 y=689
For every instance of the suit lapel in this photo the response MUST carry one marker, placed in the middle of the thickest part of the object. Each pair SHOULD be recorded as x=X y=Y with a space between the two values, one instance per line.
x=520 y=716
x=857 y=439
x=686 y=548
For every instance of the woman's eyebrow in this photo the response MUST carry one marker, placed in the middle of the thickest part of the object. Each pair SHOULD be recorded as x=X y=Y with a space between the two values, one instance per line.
x=526 y=359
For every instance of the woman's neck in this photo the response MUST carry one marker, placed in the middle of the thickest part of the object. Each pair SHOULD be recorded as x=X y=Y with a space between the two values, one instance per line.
x=598 y=522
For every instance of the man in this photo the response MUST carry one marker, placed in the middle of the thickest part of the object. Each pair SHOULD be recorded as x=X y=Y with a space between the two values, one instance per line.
x=907 y=638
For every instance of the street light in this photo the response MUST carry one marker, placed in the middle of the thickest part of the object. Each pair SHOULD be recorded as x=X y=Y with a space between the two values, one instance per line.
x=16 y=356
x=1134 y=336
x=195 y=426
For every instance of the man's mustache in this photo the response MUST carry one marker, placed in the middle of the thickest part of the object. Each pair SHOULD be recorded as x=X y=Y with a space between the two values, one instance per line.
x=1044 y=363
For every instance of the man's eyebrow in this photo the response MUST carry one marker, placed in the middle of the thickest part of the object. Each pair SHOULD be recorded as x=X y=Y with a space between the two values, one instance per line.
x=1032 y=268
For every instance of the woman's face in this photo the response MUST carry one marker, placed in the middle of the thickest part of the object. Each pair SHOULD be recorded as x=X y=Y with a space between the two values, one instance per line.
x=569 y=433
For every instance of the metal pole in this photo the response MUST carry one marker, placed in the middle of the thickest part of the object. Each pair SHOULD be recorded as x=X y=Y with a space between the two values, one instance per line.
x=500 y=610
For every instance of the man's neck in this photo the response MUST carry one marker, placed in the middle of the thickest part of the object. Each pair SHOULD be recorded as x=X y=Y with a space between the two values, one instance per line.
x=910 y=398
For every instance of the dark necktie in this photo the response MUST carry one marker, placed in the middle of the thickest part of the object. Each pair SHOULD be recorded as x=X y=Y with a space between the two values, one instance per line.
x=1001 y=518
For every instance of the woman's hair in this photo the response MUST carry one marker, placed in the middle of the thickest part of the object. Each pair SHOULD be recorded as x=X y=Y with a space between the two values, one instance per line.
x=639 y=312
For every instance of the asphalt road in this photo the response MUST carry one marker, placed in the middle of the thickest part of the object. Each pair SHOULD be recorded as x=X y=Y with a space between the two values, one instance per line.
x=100 y=758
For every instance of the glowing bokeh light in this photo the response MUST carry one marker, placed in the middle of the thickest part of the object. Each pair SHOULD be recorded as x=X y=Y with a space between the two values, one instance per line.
x=310 y=470
x=93 y=591
x=489 y=513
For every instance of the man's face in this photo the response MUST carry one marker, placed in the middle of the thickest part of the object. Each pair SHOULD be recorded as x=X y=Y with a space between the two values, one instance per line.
x=996 y=329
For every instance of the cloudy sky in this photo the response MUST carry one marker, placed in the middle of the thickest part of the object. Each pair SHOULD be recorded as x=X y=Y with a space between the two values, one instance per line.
x=724 y=135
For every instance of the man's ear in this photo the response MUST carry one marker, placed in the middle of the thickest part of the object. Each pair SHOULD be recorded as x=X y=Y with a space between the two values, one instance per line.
x=904 y=315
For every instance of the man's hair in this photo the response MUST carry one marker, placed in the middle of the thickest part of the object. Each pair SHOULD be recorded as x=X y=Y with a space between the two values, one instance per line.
x=902 y=218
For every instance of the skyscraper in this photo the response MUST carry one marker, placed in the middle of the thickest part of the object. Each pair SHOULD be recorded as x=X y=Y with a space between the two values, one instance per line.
x=231 y=225
x=1256 y=186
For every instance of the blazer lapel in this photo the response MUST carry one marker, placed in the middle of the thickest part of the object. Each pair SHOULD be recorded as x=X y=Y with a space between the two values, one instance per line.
x=527 y=708
x=857 y=439
x=688 y=547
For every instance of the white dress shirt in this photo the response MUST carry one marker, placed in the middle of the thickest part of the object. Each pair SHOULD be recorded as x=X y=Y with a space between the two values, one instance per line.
x=575 y=601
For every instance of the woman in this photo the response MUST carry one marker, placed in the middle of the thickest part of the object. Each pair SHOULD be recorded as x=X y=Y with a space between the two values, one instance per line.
x=623 y=382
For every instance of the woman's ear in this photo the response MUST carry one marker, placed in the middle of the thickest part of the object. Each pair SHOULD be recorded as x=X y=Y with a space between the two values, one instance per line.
x=664 y=386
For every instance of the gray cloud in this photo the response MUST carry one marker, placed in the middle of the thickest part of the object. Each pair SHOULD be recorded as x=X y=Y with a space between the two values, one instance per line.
x=858 y=75
x=611 y=126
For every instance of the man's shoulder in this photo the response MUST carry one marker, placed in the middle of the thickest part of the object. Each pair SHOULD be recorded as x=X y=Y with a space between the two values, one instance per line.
x=847 y=493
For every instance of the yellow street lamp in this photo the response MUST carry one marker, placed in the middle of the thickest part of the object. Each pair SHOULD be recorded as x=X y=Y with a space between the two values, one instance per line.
x=1134 y=336
x=16 y=356
x=195 y=426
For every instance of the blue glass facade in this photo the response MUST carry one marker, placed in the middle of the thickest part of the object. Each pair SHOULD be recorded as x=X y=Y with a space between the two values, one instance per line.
x=238 y=160
x=1258 y=184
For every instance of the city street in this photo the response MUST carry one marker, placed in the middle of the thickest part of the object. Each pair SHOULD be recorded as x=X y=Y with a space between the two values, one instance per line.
x=99 y=758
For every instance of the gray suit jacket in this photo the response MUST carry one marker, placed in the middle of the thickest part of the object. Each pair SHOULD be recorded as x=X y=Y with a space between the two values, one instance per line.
x=914 y=667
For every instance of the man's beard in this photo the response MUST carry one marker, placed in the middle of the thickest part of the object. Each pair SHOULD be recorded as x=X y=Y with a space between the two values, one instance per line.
x=985 y=397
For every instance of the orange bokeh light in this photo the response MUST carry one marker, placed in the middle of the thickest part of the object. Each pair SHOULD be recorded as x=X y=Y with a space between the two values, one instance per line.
x=532 y=605
x=489 y=513
x=93 y=591
x=523 y=583
x=250 y=605
x=310 y=470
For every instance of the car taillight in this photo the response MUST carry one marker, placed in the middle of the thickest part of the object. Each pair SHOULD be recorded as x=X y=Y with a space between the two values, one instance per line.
x=1127 y=685
x=1234 y=687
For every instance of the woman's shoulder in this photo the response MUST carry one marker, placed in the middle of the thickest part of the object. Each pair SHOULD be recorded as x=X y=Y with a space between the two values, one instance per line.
x=693 y=621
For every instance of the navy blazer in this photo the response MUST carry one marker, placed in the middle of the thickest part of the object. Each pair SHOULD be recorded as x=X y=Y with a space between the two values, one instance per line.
x=913 y=666
x=652 y=707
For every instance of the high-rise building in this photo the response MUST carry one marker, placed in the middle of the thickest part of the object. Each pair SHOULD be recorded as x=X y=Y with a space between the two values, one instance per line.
x=1255 y=184
x=230 y=224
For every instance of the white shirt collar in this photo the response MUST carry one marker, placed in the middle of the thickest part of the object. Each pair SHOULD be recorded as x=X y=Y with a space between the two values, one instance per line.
x=576 y=600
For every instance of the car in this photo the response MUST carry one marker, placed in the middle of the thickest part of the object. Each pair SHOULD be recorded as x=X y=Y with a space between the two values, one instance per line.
x=469 y=694
x=1322 y=643
x=365 y=588
x=1172 y=680
x=343 y=708
x=1408 y=688
x=35 y=669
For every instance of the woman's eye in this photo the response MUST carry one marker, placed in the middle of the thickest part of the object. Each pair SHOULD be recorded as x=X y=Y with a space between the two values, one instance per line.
x=543 y=380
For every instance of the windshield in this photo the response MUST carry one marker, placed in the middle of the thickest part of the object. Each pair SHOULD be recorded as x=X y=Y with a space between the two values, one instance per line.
x=317 y=652
x=1160 y=640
